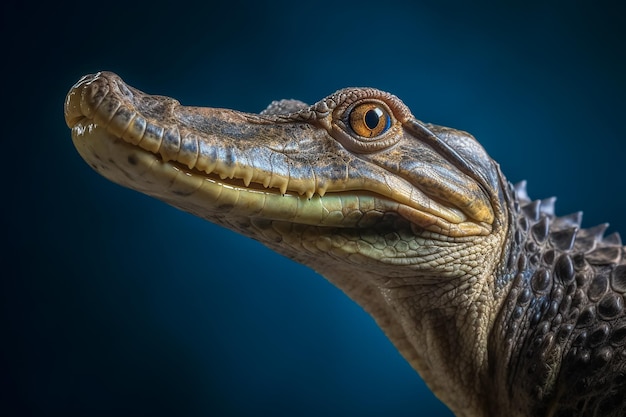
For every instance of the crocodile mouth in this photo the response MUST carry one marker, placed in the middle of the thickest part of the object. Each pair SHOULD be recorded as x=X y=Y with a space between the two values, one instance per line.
x=129 y=148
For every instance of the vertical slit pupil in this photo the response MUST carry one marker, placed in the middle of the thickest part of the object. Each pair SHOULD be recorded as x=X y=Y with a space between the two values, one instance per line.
x=372 y=118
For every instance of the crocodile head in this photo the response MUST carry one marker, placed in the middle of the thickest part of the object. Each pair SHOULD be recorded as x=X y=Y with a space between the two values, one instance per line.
x=409 y=219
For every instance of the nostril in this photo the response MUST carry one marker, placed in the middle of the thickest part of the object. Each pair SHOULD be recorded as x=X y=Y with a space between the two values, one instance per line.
x=72 y=108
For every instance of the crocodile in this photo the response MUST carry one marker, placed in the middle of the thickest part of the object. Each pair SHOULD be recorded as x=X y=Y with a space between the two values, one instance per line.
x=501 y=306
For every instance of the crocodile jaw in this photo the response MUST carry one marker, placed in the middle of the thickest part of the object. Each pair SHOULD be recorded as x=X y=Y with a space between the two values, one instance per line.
x=147 y=140
x=209 y=196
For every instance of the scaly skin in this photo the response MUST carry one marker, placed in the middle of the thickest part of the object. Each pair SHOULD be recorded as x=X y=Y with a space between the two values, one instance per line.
x=503 y=308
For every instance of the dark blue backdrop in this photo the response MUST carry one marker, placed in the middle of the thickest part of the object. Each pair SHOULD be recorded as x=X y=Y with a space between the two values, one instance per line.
x=116 y=304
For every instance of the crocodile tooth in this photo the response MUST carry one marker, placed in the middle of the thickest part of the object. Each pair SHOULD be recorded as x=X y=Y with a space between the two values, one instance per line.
x=276 y=181
x=247 y=176
x=207 y=158
x=301 y=186
x=225 y=169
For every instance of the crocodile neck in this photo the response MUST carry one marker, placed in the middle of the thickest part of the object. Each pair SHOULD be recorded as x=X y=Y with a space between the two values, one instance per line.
x=560 y=334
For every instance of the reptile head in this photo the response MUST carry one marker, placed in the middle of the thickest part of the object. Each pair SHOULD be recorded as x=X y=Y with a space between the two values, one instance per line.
x=383 y=205
x=295 y=163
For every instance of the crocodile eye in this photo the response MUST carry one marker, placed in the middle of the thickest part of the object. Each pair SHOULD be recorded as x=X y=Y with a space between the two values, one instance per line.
x=369 y=120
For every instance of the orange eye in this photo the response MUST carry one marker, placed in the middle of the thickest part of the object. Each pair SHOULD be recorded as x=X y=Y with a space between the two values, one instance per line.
x=369 y=120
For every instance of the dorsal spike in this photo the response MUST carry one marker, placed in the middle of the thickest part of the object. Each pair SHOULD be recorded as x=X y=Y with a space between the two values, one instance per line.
x=532 y=210
x=604 y=255
x=588 y=239
x=563 y=239
x=547 y=206
x=520 y=191
x=614 y=239
x=568 y=221
x=595 y=232
x=584 y=244
x=540 y=230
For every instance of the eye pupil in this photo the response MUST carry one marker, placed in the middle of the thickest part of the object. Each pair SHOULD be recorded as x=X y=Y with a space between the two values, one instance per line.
x=372 y=118
x=369 y=120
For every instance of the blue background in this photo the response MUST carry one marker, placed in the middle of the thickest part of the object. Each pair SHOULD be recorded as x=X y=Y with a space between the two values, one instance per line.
x=115 y=304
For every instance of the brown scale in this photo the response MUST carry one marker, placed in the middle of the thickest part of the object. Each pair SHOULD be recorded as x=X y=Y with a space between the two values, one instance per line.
x=564 y=322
